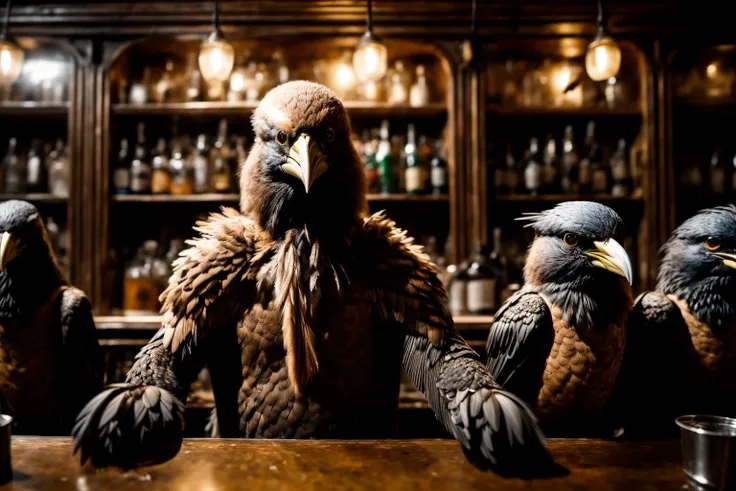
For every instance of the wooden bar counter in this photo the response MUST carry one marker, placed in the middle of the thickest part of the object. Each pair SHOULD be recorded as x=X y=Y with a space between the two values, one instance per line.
x=209 y=465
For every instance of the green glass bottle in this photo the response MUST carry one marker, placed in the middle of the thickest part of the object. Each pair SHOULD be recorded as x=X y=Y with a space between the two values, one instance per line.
x=384 y=157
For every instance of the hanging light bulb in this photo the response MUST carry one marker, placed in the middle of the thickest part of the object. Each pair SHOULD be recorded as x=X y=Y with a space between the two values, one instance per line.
x=603 y=59
x=370 y=59
x=216 y=55
x=11 y=56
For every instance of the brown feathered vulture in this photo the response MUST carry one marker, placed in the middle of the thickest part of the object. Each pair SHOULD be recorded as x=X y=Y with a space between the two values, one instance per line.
x=682 y=354
x=305 y=310
x=558 y=343
x=50 y=360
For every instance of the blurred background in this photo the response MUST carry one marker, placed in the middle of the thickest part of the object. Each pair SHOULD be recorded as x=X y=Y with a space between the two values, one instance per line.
x=124 y=123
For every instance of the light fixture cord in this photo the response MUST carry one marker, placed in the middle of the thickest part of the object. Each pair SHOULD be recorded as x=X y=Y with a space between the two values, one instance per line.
x=601 y=15
x=473 y=9
x=370 y=16
x=216 y=15
x=6 y=21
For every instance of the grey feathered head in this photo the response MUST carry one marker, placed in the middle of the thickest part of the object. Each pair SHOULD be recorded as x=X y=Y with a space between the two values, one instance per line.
x=585 y=218
x=699 y=264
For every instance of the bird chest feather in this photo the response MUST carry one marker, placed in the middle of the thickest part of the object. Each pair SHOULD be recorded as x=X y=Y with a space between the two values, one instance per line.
x=581 y=368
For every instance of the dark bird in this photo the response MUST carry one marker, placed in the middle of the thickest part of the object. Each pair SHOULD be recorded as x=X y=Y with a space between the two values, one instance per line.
x=559 y=341
x=682 y=354
x=50 y=360
x=304 y=311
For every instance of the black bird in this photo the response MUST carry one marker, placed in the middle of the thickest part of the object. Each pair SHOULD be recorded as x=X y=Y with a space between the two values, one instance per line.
x=50 y=360
x=682 y=354
x=558 y=343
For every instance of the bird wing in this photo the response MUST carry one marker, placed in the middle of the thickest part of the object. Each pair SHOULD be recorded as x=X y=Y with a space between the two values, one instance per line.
x=216 y=278
x=82 y=356
x=495 y=427
x=519 y=343
x=658 y=361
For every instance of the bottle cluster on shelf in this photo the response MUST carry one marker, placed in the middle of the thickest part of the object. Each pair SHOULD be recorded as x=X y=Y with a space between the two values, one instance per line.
x=411 y=163
x=526 y=83
x=44 y=78
x=714 y=79
x=716 y=174
x=147 y=275
x=252 y=77
x=566 y=169
x=38 y=168
x=181 y=166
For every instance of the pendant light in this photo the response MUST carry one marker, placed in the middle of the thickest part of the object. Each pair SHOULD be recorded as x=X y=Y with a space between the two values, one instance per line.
x=370 y=59
x=11 y=56
x=469 y=48
x=216 y=55
x=603 y=59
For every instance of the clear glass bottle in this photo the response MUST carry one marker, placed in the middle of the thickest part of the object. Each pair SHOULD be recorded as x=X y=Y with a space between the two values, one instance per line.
x=399 y=91
x=140 y=287
x=121 y=173
x=222 y=176
x=458 y=288
x=194 y=84
x=37 y=176
x=201 y=166
x=591 y=155
x=60 y=172
x=182 y=174
x=513 y=173
x=164 y=88
x=251 y=85
x=139 y=91
x=280 y=68
x=600 y=174
x=419 y=93
x=385 y=160
x=414 y=165
x=238 y=78
x=160 y=174
x=718 y=171
x=570 y=164
x=140 y=167
x=499 y=264
x=438 y=174
x=482 y=296
x=14 y=169
x=620 y=171
x=533 y=170
x=370 y=164
x=551 y=174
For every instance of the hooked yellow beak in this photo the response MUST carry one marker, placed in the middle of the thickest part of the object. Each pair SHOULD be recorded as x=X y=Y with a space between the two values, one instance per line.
x=305 y=161
x=8 y=249
x=610 y=256
x=728 y=259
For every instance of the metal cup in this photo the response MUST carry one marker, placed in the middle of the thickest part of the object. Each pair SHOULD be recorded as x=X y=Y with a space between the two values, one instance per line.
x=6 y=470
x=709 y=450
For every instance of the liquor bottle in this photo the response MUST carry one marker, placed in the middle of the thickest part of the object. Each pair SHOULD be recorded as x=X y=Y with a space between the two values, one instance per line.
x=570 y=164
x=222 y=174
x=60 y=172
x=620 y=171
x=692 y=176
x=164 y=87
x=194 y=85
x=182 y=175
x=458 y=288
x=385 y=161
x=414 y=164
x=717 y=172
x=398 y=143
x=513 y=174
x=498 y=171
x=481 y=284
x=399 y=90
x=370 y=165
x=160 y=174
x=591 y=156
x=438 y=174
x=551 y=171
x=281 y=69
x=600 y=174
x=532 y=170
x=499 y=264
x=139 y=90
x=419 y=93
x=36 y=169
x=121 y=173
x=140 y=168
x=201 y=166
x=14 y=168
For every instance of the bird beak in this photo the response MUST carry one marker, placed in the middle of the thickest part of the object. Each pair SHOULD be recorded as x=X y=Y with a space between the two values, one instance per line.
x=610 y=256
x=305 y=161
x=8 y=249
x=728 y=259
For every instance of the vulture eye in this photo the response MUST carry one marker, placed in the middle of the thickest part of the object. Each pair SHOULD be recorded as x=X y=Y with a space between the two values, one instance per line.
x=570 y=240
x=329 y=135
x=282 y=137
x=712 y=244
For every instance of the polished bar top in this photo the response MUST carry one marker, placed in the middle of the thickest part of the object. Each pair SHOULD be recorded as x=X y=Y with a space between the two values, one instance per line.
x=47 y=463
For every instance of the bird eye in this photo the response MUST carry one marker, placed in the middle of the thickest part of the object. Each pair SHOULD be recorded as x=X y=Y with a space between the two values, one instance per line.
x=570 y=240
x=329 y=135
x=282 y=137
x=712 y=244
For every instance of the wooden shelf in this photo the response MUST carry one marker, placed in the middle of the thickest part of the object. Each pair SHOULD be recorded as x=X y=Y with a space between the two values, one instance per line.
x=30 y=108
x=554 y=198
x=45 y=198
x=234 y=198
x=581 y=112
x=706 y=104
x=355 y=108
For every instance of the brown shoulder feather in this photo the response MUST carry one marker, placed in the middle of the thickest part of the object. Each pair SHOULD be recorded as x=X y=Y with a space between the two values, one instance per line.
x=226 y=256
x=405 y=285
